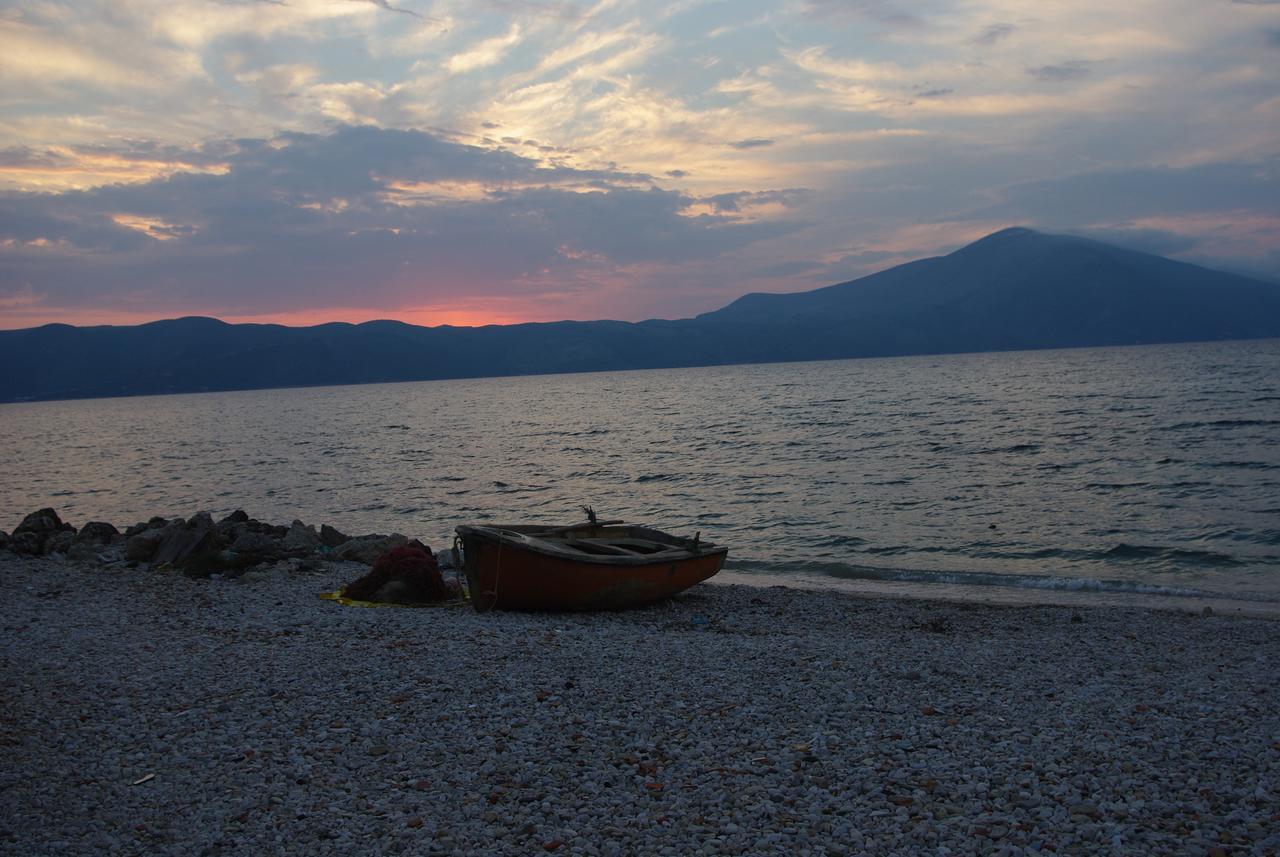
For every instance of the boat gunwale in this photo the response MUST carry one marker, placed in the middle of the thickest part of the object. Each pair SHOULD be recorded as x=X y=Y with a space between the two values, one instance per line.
x=525 y=537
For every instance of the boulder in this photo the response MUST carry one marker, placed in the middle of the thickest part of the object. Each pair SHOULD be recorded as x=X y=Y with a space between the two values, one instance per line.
x=26 y=544
x=252 y=548
x=84 y=551
x=59 y=542
x=367 y=549
x=300 y=540
x=97 y=533
x=331 y=537
x=141 y=547
x=142 y=527
x=4 y=540
x=37 y=528
x=183 y=538
x=239 y=516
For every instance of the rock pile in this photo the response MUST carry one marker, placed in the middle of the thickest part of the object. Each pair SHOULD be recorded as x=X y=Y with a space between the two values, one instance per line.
x=198 y=546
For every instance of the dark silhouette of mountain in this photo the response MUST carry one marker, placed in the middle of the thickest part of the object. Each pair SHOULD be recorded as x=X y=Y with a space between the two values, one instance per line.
x=1015 y=289
x=1020 y=289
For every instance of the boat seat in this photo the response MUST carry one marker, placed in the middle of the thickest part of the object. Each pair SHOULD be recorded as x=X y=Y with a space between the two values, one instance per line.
x=591 y=546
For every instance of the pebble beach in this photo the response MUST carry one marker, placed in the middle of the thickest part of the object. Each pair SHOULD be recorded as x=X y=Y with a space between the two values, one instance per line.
x=148 y=712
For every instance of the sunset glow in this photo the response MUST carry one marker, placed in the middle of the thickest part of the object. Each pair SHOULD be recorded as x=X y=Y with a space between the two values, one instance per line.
x=442 y=162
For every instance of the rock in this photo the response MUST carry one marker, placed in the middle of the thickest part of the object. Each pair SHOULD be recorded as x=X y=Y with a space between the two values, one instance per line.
x=37 y=528
x=156 y=523
x=59 y=542
x=83 y=551
x=141 y=547
x=97 y=533
x=367 y=549
x=42 y=521
x=26 y=544
x=254 y=548
x=300 y=540
x=239 y=516
x=183 y=539
x=113 y=554
x=4 y=540
x=229 y=531
x=330 y=537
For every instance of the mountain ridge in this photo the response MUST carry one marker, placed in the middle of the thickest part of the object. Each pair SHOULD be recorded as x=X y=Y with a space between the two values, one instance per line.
x=1013 y=289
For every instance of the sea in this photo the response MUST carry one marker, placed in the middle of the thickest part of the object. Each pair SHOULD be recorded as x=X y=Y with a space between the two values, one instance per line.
x=1144 y=474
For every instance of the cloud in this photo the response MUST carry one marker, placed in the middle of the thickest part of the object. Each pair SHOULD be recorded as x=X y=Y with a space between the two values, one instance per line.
x=358 y=217
x=486 y=53
x=1073 y=70
x=887 y=12
x=957 y=116
x=994 y=33
x=1108 y=195
x=384 y=4
x=1161 y=242
x=562 y=10
x=787 y=269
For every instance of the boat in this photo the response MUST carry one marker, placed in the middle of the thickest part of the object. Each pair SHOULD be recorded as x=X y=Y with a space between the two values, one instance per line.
x=596 y=565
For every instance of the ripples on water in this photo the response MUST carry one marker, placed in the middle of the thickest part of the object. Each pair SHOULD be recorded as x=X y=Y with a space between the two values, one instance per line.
x=1134 y=469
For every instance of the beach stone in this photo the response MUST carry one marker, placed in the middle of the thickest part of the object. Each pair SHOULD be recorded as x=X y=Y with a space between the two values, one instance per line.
x=83 y=551
x=301 y=539
x=182 y=539
x=331 y=537
x=256 y=547
x=156 y=523
x=367 y=549
x=59 y=542
x=26 y=544
x=97 y=533
x=141 y=547
x=30 y=535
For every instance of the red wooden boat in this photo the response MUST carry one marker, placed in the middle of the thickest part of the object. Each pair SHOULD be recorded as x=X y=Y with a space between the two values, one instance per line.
x=604 y=565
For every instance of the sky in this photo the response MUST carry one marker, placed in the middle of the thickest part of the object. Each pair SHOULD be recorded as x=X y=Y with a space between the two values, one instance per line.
x=500 y=161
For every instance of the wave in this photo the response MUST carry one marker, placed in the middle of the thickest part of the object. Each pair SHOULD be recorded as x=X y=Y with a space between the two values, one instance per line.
x=1047 y=582
x=1163 y=554
x=1219 y=424
x=1120 y=553
x=1244 y=465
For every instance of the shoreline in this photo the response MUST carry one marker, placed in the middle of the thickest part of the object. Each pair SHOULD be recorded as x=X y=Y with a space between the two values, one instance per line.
x=151 y=711
x=1009 y=596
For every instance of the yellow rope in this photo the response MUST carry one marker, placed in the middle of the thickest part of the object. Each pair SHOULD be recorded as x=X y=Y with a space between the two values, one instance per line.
x=337 y=595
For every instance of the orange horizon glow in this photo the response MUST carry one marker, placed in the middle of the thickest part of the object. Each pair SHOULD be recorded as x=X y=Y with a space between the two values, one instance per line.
x=422 y=316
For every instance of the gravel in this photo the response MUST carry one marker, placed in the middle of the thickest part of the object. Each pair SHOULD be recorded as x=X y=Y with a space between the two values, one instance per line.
x=145 y=712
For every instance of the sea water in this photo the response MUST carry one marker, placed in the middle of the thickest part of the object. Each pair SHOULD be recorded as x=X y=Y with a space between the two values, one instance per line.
x=1152 y=471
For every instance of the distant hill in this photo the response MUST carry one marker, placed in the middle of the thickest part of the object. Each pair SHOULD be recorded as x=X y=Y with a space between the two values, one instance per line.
x=1020 y=289
x=1014 y=289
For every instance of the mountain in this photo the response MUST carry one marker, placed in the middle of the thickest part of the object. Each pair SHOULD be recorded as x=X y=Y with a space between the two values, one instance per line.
x=1020 y=289
x=1014 y=289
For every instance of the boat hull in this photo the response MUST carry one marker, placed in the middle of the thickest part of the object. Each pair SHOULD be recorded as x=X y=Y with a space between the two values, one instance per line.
x=520 y=574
